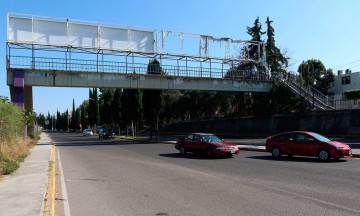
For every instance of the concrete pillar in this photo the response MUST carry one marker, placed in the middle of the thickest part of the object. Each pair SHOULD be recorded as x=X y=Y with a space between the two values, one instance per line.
x=21 y=95
x=17 y=89
x=28 y=97
x=29 y=106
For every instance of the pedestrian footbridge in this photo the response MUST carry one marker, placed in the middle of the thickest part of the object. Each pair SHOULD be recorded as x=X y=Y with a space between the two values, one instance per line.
x=56 y=52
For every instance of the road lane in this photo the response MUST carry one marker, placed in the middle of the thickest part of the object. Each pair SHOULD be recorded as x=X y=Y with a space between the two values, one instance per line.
x=115 y=177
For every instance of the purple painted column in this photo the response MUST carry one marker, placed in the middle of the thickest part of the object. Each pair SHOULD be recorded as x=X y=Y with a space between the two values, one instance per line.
x=19 y=93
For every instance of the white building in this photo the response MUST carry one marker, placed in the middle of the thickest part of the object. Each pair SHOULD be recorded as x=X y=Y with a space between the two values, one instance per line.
x=345 y=81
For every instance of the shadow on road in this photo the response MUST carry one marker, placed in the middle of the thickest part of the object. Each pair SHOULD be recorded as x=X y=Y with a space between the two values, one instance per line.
x=295 y=159
x=192 y=156
x=100 y=143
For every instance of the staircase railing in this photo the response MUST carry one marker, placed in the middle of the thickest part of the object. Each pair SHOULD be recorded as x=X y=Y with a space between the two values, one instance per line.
x=315 y=97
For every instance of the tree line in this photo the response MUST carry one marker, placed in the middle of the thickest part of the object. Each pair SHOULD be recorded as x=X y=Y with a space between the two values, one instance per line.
x=157 y=108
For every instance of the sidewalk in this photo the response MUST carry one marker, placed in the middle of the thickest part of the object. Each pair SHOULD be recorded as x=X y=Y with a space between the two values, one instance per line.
x=23 y=192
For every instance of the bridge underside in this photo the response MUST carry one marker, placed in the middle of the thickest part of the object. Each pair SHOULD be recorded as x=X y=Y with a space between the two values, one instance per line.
x=58 y=78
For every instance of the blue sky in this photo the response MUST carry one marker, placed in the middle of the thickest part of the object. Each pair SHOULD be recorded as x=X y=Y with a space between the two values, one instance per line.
x=327 y=30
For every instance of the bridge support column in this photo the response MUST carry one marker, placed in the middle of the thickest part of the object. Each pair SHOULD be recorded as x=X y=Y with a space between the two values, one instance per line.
x=18 y=88
x=21 y=95
x=28 y=95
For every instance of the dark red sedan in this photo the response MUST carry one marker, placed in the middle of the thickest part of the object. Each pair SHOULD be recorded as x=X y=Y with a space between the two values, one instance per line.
x=306 y=143
x=206 y=143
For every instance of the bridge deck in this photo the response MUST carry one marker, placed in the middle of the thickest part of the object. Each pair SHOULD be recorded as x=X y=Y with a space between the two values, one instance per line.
x=43 y=71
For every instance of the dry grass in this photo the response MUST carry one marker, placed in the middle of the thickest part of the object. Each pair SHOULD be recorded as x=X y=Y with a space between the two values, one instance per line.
x=48 y=196
x=12 y=153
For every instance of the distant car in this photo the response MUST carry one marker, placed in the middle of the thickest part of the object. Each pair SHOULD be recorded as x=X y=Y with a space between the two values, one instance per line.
x=306 y=143
x=106 y=133
x=206 y=143
x=88 y=132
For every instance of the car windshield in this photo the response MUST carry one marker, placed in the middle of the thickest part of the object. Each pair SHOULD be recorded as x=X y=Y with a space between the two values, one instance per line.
x=320 y=137
x=212 y=138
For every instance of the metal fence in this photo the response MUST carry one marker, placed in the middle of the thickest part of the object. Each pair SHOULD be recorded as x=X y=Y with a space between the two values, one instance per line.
x=63 y=64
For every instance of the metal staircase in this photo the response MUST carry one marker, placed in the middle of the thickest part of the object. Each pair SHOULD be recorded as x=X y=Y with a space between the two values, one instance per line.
x=313 y=96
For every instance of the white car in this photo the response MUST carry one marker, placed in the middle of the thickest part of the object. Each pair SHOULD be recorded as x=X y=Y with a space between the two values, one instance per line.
x=88 y=132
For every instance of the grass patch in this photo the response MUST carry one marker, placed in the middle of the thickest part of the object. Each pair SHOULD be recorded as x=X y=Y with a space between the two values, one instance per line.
x=50 y=166
x=14 y=152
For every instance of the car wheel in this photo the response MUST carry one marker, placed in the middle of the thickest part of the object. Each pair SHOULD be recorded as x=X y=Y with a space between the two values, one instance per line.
x=276 y=152
x=209 y=153
x=182 y=150
x=323 y=155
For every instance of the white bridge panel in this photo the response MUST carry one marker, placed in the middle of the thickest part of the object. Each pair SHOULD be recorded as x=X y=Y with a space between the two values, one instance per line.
x=64 y=32
x=114 y=39
x=20 y=30
x=83 y=35
x=50 y=33
x=141 y=41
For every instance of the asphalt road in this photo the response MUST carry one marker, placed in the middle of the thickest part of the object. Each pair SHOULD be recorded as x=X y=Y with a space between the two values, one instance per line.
x=115 y=177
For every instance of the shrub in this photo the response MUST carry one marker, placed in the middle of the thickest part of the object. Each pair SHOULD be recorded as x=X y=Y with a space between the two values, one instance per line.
x=14 y=148
x=352 y=94
x=8 y=166
x=13 y=152
x=11 y=120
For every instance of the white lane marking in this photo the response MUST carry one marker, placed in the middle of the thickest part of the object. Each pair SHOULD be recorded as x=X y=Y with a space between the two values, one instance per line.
x=63 y=188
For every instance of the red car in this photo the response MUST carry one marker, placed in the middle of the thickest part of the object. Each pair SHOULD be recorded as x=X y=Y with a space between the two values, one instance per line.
x=307 y=144
x=206 y=143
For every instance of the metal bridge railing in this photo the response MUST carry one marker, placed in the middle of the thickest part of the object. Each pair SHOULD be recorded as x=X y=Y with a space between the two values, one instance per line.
x=45 y=63
x=315 y=97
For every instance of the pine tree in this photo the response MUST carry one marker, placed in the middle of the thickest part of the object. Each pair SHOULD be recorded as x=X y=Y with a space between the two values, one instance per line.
x=105 y=100
x=131 y=109
x=91 y=108
x=73 y=117
x=116 y=107
x=82 y=118
x=274 y=57
x=96 y=107
x=153 y=100
x=255 y=33
x=66 y=120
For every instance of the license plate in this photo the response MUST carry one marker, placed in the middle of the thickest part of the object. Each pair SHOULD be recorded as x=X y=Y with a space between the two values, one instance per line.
x=232 y=151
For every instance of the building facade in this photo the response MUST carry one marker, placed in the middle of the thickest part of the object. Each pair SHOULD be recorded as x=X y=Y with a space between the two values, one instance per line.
x=345 y=81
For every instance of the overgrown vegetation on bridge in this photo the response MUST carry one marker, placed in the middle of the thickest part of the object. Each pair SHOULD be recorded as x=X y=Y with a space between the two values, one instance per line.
x=14 y=146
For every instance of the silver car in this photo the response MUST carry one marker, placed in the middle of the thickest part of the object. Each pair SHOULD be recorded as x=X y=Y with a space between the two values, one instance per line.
x=88 y=132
